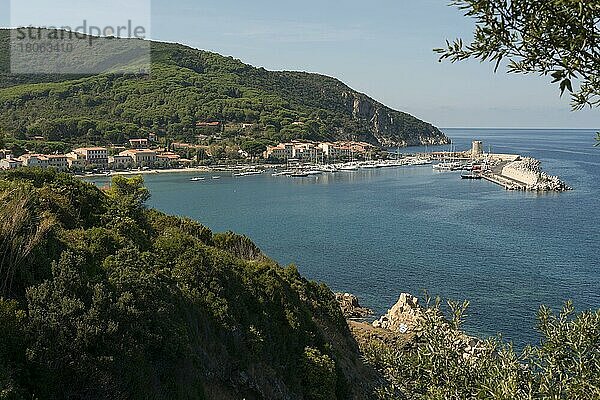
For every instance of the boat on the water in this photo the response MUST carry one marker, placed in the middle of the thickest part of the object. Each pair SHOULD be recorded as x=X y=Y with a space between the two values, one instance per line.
x=216 y=177
x=197 y=179
x=443 y=166
x=470 y=175
x=299 y=174
x=369 y=166
x=282 y=173
x=248 y=173
x=348 y=167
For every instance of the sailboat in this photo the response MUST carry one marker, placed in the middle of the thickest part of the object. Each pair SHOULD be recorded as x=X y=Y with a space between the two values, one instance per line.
x=445 y=166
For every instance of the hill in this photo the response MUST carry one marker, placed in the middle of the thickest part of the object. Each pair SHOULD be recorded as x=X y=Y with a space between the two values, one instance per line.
x=103 y=298
x=188 y=85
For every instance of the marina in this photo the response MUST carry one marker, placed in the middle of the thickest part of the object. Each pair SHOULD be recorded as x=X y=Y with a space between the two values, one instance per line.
x=378 y=232
x=510 y=171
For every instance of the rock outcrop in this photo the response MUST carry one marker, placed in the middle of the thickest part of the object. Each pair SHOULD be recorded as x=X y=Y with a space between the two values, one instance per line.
x=404 y=316
x=390 y=128
x=350 y=306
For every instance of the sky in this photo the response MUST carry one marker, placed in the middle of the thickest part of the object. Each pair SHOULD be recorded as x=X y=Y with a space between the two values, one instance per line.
x=380 y=47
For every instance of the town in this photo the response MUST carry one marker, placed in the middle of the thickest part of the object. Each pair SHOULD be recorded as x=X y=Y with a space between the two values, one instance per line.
x=144 y=153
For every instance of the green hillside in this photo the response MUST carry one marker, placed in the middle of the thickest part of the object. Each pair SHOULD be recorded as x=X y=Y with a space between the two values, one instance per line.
x=101 y=298
x=188 y=85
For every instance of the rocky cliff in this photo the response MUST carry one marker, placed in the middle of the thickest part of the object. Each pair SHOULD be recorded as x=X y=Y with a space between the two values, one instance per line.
x=391 y=128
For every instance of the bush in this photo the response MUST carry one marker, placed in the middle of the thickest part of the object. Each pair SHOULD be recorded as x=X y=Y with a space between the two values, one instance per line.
x=444 y=363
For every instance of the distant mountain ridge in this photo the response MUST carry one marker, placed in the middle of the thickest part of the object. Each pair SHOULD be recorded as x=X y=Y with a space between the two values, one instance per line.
x=187 y=85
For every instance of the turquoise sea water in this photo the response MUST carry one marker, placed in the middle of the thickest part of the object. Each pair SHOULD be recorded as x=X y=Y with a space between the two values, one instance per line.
x=377 y=233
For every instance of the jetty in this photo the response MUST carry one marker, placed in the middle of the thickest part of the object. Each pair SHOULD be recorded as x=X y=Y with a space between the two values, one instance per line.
x=507 y=183
x=511 y=171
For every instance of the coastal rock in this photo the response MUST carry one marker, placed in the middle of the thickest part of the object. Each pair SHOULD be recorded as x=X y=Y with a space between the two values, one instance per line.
x=350 y=306
x=529 y=171
x=389 y=128
x=403 y=316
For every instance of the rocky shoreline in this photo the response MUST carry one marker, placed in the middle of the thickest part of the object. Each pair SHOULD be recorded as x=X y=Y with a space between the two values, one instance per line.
x=350 y=306
x=401 y=323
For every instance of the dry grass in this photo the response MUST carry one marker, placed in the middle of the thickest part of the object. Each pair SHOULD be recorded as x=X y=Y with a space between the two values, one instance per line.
x=21 y=230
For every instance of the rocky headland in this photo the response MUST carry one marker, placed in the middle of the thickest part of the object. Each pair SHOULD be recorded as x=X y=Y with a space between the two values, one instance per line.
x=402 y=325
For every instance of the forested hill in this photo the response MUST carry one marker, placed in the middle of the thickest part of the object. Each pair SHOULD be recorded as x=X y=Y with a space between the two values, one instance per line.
x=188 y=85
x=102 y=298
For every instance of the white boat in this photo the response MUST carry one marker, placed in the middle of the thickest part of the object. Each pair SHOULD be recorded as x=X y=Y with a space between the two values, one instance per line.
x=248 y=173
x=369 y=166
x=329 y=168
x=445 y=166
x=348 y=167
x=313 y=172
x=197 y=178
x=299 y=174
x=216 y=177
x=442 y=167
x=282 y=173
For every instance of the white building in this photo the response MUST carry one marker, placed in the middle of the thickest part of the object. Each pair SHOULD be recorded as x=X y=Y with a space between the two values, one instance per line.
x=34 y=160
x=141 y=158
x=138 y=143
x=58 y=161
x=120 y=162
x=97 y=156
x=9 y=163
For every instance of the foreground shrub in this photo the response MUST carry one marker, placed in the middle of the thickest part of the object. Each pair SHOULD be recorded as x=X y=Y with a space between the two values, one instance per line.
x=444 y=363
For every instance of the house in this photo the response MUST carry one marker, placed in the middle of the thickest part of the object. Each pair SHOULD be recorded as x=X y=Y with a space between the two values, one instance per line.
x=138 y=143
x=9 y=163
x=307 y=151
x=58 y=161
x=97 y=156
x=74 y=162
x=283 y=151
x=168 y=159
x=34 y=160
x=5 y=153
x=120 y=162
x=140 y=157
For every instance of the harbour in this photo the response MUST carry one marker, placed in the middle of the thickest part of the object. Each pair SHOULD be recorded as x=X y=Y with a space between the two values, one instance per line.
x=379 y=232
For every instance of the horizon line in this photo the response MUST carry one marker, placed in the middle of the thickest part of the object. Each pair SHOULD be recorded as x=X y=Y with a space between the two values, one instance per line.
x=519 y=127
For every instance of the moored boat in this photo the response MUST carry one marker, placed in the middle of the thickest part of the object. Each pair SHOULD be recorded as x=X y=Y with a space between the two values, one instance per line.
x=470 y=175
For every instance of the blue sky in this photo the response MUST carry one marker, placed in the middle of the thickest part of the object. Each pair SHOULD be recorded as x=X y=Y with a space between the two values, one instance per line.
x=381 y=47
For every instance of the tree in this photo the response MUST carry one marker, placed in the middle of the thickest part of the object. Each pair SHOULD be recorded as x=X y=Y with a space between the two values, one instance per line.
x=559 y=38
x=254 y=147
x=131 y=190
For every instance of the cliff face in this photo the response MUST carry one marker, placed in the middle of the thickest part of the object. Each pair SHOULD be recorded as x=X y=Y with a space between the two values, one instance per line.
x=391 y=128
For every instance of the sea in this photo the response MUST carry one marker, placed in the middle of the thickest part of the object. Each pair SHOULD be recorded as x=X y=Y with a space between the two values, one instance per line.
x=380 y=232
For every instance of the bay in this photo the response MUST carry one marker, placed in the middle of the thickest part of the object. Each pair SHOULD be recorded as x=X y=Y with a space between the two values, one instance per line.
x=377 y=233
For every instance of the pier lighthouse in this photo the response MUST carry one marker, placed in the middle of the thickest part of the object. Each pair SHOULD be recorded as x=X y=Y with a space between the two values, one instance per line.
x=476 y=148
